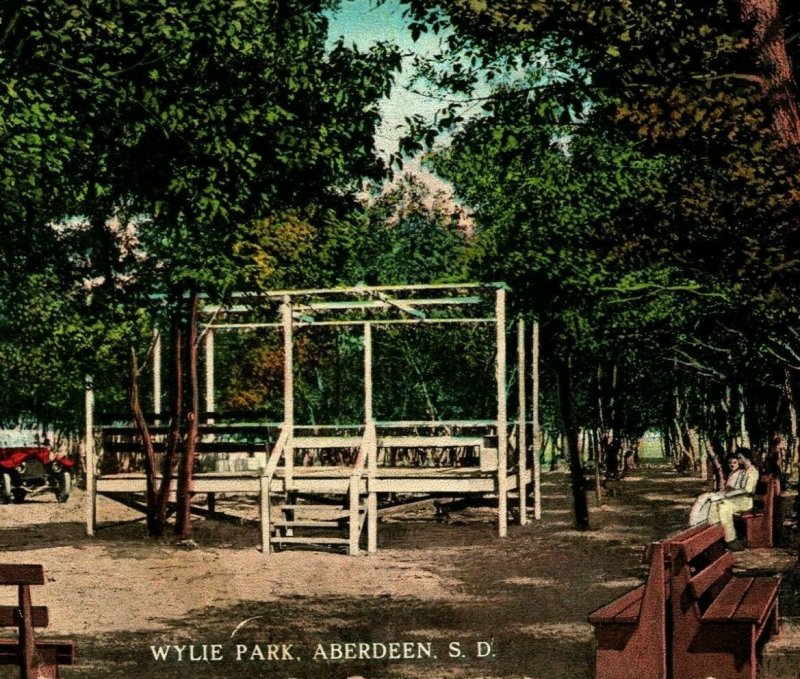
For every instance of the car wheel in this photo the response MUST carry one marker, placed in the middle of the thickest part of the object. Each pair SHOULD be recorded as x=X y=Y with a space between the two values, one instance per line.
x=63 y=486
x=5 y=488
x=19 y=495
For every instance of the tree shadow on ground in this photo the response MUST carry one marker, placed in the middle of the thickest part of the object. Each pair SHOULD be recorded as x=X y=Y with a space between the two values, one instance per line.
x=517 y=649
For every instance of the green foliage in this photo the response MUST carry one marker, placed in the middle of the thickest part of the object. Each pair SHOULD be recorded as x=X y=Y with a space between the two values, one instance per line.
x=661 y=237
x=411 y=235
x=191 y=136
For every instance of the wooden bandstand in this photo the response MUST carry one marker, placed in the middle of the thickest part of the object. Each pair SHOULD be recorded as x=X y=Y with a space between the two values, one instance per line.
x=333 y=481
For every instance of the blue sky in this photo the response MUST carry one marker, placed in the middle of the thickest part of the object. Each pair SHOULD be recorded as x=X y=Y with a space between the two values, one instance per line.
x=363 y=23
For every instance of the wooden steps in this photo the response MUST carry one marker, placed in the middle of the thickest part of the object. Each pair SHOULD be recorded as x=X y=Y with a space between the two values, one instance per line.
x=317 y=523
x=308 y=524
x=309 y=540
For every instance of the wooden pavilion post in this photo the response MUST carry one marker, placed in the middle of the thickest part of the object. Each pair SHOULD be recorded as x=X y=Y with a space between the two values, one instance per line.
x=502 y=414
x=522 y=478
x=264 y=509
x=208 y=345
x=537 y=435
x=89 y=456
x=288 y=389
x=157 y=376
x=370 y=440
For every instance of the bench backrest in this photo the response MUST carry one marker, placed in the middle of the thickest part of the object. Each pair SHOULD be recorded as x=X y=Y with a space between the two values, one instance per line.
x=21 y=574
x=767 y=489
x=34 y=658
x=701 y=565
x=11 y=616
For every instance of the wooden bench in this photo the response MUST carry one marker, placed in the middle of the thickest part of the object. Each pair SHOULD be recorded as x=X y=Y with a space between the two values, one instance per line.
x=719 y=621
x=37 y=659
x=632 y=631
x=759 y=522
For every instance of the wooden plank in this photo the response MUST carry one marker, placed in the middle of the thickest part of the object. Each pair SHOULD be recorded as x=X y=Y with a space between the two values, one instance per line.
x=27 y=642
x=685 y=533
x=64 y=648
x=308 y=540
x=90 y=461
x=327 y=441
x=723 y=608
x=759 y=600
x=10 y=616
x=203 y=448
x=354 y=527
x=322 y=485
x=502 y=412
x=264 y=511
x=430 y=441
x=450 y=485
x=316 y=507
x=701 y=541
x=136 y=484
x=628 y=603
x=537 y=429
x=631 y=614
x=714 y=572
x=21 y=574
x=522 y=443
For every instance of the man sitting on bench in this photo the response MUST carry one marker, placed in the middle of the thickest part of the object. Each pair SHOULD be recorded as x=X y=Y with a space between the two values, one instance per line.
x=736 y=501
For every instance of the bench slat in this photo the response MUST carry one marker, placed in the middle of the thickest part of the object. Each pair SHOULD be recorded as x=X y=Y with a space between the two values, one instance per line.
x=724 y=607
x=714 y=572
x=9 y=616
x=21 y=574
x=758 y=601
x=751 y=514
x=699 y=542
x=631 y=614
x=65 y=650
x=623 y=610
x=686 y=533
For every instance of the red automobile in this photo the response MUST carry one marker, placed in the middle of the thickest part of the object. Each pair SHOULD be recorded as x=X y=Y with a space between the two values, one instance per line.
x=30 y=467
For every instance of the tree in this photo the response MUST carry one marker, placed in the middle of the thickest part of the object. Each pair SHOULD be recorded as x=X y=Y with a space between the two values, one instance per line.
x=411 y=235
x=681 y=84
x=407 y=234
x=198 y=117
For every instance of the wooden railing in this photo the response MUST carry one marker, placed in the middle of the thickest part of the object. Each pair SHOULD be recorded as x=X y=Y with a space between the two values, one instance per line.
x=267 y=473
x=366 y=453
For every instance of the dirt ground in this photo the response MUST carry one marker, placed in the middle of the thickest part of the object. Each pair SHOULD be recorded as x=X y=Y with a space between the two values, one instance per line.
x=452 y=599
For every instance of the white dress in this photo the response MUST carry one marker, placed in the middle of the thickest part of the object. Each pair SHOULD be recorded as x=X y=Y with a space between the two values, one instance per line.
x=702 y=505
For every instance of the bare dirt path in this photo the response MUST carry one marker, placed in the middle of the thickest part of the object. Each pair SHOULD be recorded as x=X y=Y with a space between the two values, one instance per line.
x=465 y=603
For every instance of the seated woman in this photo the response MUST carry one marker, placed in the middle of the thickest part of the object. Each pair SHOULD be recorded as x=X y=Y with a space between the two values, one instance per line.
x=735 y=481
x=735 y=501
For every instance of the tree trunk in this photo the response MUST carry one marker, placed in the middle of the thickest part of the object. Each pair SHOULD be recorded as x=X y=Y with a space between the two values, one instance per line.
x=147 y=443
x=716 y=465
x=792 y=468
x=174 y=435
x=183 y=522
x=571 y=435
x=763 y=18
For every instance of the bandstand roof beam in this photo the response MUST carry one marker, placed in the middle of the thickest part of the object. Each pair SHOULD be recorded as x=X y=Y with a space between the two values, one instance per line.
x=388 y=321
x=354 y=304
x=402 y=305
x=366 y=289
